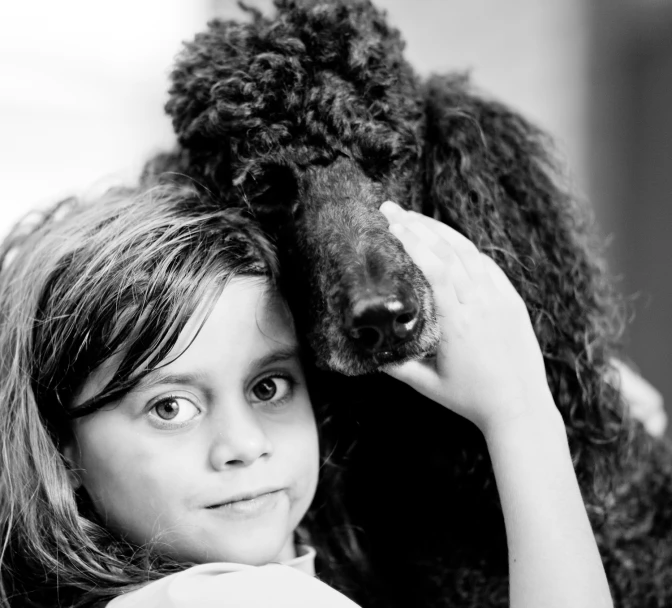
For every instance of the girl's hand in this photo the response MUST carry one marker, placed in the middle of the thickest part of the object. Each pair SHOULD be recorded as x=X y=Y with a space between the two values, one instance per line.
x=488 y=366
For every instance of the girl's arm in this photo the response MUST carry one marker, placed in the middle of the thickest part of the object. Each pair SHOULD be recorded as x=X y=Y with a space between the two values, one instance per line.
x=553 y=558
x=489 y=369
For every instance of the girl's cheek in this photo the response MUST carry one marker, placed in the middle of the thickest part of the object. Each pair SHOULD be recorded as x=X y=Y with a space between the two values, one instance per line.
x=312 y=441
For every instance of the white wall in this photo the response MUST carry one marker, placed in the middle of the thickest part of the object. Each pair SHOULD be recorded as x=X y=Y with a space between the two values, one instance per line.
x=84 y=80
x=529 y=53
x=82 y=89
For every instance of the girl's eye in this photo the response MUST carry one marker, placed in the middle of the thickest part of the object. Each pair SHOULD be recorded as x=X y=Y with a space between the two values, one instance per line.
x=272 y=388
x=174 y=410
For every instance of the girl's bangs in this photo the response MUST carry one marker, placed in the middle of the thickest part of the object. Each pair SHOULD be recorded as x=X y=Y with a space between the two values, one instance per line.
x=142 y=341
x=123 y=294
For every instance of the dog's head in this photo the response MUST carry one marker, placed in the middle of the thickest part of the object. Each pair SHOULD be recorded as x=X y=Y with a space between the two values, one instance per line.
x=312 y=119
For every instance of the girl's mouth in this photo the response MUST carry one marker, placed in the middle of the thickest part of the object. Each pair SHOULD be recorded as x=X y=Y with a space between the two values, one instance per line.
x=248 y=506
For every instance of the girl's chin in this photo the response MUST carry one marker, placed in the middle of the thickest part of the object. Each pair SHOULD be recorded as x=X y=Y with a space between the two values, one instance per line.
x=270 y=547
x=254 y=556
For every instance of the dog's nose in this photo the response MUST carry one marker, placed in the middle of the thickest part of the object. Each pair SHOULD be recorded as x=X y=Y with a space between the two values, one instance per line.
x=377 y=324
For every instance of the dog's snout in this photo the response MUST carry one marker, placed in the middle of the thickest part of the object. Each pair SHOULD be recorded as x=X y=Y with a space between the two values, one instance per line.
x=380 y=323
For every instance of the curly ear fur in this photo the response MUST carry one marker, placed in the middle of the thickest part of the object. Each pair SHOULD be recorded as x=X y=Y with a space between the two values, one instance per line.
x=490 y=175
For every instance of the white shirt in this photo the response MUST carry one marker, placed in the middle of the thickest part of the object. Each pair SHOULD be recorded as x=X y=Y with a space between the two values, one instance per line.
x=227 y=585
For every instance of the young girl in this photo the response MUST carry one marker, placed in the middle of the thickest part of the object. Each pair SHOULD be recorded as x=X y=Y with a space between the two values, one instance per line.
x=159 y=446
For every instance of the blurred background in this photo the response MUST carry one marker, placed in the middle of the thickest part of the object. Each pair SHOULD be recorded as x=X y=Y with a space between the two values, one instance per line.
x=84 y=85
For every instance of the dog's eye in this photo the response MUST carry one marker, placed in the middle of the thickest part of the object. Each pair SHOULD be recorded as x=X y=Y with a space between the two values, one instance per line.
x=280 y=189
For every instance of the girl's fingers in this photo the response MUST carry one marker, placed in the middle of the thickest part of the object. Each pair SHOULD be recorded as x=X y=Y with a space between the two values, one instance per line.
x=465 y=249
x=419 y=375
x=442 y=273
x=480 y=267
x=498 y=277
x=457 y=272
x=435 y=256
x=460 y=243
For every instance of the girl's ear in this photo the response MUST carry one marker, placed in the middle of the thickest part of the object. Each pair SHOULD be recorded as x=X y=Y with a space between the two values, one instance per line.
x=70 y=453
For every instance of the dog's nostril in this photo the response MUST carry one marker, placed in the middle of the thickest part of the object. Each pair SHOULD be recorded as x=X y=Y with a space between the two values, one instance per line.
x=378 y=324
x=405 y=318
x=404 y=326
x=367 y=337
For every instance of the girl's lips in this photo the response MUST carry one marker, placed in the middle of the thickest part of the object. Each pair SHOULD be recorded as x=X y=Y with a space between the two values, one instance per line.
x=251 y=506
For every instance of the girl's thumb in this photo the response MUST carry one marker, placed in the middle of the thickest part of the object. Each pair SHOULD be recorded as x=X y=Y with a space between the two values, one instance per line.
x=420 y=375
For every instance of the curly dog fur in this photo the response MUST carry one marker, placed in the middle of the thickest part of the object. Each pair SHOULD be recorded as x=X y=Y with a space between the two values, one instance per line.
x=311 y=118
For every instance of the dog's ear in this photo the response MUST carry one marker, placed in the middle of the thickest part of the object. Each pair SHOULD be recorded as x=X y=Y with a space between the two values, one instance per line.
x=490 y=174
x=483 y=160
x=280 y=188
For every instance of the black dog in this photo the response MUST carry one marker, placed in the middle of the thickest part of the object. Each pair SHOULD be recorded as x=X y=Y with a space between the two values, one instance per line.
x=311 y=119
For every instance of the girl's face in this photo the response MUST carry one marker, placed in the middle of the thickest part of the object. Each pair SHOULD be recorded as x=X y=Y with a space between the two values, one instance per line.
x=213 y=457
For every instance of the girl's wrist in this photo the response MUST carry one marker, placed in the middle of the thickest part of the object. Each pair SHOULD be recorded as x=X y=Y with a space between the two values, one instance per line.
x=541 y=421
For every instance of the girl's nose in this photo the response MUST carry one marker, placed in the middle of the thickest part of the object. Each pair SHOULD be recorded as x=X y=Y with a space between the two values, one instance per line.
x=239 y=440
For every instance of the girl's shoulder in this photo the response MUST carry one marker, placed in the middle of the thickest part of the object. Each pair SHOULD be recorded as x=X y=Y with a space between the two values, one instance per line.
x=223 y=585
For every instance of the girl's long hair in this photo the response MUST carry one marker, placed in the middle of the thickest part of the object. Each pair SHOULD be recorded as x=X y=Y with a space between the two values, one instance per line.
x=80 y=283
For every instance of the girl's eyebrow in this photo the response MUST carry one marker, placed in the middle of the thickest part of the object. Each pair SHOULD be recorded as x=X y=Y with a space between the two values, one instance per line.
x=159 y=377
x=279 y=355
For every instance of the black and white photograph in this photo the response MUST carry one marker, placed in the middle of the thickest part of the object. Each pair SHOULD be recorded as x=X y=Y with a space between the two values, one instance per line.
x=336 y=303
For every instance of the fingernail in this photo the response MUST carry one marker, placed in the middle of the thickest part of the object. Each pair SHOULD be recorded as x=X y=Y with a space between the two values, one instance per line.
x=396 y=229
x=391 y=208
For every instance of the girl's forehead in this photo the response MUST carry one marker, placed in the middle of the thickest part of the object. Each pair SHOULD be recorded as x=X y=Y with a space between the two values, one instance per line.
x=243 y=302
x=248 y=315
